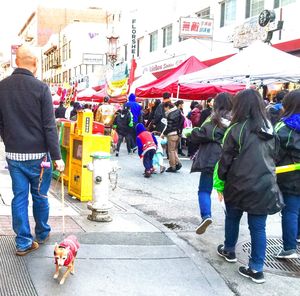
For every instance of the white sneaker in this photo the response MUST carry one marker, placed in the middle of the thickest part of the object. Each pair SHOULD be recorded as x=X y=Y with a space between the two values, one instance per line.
x=290 y=254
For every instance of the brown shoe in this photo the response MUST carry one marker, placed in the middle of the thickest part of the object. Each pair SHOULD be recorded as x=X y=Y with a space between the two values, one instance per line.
x=33 y=247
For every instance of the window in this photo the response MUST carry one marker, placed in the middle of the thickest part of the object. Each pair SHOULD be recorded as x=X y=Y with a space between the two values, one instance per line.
x=139 y=46
x=125 y=52
x=228 y=12
x=153 y=41
x=69 y=49
x=65 y=52
x=167 y=35
x=278 y=3
x=254 y=7
x=204 y=13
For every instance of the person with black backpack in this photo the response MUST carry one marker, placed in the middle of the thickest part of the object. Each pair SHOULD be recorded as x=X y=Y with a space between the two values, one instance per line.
x=123 y=124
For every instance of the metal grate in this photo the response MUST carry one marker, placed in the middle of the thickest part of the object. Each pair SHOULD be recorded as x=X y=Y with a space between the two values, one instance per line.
x=14 y=276
x=290 y=267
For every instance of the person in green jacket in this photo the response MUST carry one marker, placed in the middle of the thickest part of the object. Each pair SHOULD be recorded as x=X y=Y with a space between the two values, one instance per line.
x=245 y=177
x=209 y=139
x=288 y=132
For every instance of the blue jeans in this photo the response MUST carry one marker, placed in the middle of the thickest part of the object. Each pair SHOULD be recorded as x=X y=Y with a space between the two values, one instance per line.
x=204 y=192
x=148 y=159
x=290 y=221
x=257 y=227
x=25 y=174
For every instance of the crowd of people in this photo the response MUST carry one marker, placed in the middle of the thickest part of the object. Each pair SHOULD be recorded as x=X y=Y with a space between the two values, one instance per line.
x=236 y=142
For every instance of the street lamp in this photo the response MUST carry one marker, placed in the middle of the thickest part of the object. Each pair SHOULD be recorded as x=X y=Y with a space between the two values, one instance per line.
x=112 y=54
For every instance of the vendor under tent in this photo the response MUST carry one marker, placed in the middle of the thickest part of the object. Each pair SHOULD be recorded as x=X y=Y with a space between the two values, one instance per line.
x=259 y=63
x=169 y=81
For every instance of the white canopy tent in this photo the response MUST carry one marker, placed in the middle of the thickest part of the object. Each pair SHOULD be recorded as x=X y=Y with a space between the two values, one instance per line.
x=259 y=63
x=146 y=78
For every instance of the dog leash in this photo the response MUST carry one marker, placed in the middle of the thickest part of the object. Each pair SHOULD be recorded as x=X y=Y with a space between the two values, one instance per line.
x=63 y=202
x=44 y=164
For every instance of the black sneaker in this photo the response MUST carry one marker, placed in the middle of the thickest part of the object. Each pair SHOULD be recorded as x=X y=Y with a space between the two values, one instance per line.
x=170 y=170
x=229 y=256
x=178 y=166
x=134 y=149
x=203 y=225
x=117 y=154
x=256 y=277
x=147 y=174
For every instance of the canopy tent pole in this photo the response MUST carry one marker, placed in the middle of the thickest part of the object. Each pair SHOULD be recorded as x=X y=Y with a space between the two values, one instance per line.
x=177 y=95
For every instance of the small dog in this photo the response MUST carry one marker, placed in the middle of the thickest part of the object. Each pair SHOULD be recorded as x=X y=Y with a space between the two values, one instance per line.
x=65 y=254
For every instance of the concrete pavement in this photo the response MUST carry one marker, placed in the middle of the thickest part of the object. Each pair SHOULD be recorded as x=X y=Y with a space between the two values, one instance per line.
x=132 y=255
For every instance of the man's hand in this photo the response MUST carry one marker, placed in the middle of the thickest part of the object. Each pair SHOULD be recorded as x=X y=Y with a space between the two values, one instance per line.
x=59 y=165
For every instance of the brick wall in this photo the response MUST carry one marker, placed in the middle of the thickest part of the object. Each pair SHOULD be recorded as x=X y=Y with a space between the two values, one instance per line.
x=53 y=20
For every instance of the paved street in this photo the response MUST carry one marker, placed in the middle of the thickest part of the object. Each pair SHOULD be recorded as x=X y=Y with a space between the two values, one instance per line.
x=172 y=200
x=150 y=247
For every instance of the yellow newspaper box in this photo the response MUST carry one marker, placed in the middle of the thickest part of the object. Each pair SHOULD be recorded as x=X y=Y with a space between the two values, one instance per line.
x=67 y=129
x=82 y=144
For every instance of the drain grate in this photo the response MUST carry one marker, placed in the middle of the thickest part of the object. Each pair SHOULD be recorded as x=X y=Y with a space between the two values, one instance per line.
x=14 y=277
x=285 y=267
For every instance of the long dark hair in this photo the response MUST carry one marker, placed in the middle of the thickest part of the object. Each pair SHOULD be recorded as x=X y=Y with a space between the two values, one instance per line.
x=248 y=104
x=291 y=103
x=221 y=109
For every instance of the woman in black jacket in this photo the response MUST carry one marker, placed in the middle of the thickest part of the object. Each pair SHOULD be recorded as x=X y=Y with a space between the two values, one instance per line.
x=209 y=139
x=245 y=176
x=288 y=132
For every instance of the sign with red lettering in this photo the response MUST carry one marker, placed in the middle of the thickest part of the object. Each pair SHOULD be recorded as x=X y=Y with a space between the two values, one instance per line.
x=196 y=27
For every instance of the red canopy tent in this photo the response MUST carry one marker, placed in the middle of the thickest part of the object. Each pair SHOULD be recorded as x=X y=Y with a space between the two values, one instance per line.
x=169 y=81
x=198 y=91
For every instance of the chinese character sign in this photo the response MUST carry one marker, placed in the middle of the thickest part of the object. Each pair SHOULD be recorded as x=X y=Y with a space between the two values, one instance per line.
x=196 y=27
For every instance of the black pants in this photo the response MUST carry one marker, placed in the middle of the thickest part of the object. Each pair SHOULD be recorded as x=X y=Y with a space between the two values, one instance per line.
x=128 y=142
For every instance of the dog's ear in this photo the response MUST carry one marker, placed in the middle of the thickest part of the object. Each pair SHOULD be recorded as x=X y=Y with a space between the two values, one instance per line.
x=56 y=246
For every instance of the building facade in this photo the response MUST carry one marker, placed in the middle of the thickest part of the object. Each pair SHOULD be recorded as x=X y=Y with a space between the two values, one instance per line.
x=76 y=54
x=46 y=21
x=164 y=34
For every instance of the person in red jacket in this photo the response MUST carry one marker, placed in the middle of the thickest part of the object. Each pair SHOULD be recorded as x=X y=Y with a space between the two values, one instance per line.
x=147 y=144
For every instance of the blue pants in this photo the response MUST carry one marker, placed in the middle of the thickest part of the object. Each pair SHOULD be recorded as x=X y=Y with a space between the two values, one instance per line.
x=257 y=227
x=25 y=175
x=290 y=221
x=204 y=192
x=148 y=159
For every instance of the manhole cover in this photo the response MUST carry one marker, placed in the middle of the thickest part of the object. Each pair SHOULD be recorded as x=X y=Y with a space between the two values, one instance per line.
x=290 y=267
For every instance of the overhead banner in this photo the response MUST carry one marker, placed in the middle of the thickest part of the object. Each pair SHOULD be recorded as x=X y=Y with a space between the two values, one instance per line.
x=196 y=27
x=117 y=85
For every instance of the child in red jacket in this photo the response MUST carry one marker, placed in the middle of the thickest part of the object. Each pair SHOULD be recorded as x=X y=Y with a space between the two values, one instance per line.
x=147 y=144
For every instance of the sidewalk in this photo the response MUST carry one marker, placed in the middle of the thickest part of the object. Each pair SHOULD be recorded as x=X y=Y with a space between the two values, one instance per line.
x=132 y=255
